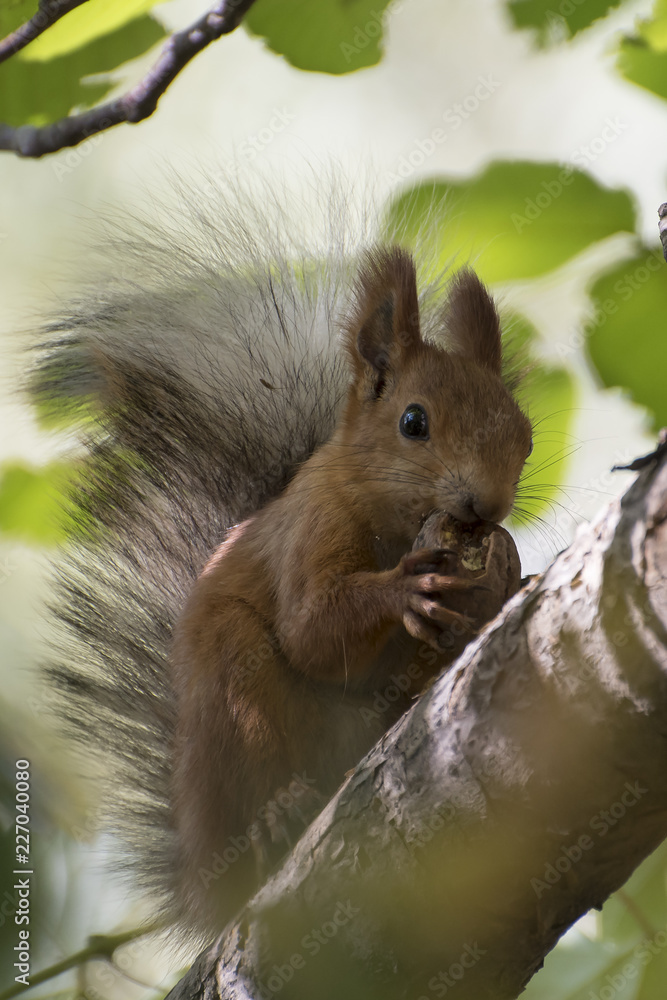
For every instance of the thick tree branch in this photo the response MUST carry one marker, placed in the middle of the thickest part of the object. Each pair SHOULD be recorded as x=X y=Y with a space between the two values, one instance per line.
x=522 y=789
x=139 y=102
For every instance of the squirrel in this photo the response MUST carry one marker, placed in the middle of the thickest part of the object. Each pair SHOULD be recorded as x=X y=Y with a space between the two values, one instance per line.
x=271 y=433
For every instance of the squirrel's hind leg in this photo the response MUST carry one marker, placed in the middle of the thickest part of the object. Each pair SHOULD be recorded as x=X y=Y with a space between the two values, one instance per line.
x=243 y=785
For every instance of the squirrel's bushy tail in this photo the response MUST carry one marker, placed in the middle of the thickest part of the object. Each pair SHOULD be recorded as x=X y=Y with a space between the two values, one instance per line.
x=209 y=369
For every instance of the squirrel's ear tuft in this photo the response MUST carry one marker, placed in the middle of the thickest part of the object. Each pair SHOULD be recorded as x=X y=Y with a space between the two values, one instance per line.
x=384 y=324
x=471 y=321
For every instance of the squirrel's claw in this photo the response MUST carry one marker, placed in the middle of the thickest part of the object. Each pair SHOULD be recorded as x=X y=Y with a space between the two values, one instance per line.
x=433 y=583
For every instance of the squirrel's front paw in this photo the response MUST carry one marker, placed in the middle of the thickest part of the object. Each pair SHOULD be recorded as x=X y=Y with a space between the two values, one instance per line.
x=464 y=573
x=427 y=577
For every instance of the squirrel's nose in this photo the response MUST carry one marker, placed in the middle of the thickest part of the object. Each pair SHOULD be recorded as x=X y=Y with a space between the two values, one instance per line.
x=465 y=510
x=475 y=508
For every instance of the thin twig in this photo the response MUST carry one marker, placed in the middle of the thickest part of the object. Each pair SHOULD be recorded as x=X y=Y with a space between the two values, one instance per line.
x=99 y=946
x=637 y=913
x=49 y=12
x=139 y=102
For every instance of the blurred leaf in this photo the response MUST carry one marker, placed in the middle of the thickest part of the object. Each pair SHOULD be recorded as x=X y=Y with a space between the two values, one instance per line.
x=642 y=57
x=514 y=221
x=651 y=960
x=626 y=339
x=32 y=501
x=547 y=395
x=44 y=92
x=555 y=22
x=630 y=962
x=642 y=65
x=574 y=970
x=331 y=36
x=642 y=903
x=654 y=31
x=40 y=92
x=14 y=13
x=85 y=24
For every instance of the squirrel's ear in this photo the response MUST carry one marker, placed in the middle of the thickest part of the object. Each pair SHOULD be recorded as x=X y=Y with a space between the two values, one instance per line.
x=472 y=323
x=384 y=325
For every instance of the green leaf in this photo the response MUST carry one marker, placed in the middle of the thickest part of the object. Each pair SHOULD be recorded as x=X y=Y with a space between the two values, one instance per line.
x=630 y=961
x=331 y=36
x=572 y=970
x=547 y=395
x=14 y=13
x=650 y=959
x=514 y=221
x=641 y=64
x=92 y=20
x=39 y=92
x=654 y=31
x=642 y=58
x=556 y=21
x=626 y=338
x=32 y=502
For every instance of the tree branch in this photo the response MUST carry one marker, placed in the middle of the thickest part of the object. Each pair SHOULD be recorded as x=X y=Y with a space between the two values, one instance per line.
x=520 y=791
x=48 y=13
x=139 y=102
x=662 y=228
x=99 y=946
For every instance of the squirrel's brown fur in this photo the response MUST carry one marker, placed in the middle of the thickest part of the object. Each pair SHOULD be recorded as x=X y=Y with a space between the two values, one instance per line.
x=320 y=581
x=243 y=589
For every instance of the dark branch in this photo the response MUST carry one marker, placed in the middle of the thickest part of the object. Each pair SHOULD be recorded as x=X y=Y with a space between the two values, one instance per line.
x=100 y=946
x=662 y=227
x=641 y=463
x=139 y=102
x=49 y=12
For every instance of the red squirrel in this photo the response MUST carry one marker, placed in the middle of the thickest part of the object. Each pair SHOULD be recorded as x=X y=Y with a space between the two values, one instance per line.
x=242 y=589
x=309 y=606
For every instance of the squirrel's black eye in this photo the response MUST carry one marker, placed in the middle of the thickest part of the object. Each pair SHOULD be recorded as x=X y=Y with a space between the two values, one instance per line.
x=530 y=450
x=414 y=422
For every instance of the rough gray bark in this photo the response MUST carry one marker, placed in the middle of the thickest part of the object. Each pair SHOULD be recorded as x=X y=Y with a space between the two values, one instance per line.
x=522 y=789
